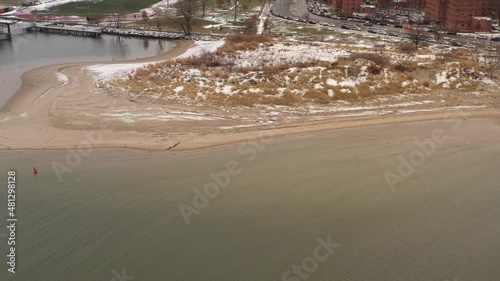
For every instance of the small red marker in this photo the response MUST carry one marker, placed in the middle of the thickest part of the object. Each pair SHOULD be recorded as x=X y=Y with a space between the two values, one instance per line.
x=35 y=171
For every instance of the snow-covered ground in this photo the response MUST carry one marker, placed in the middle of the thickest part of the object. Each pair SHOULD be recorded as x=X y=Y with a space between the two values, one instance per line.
x=201 y=47
x=108 y=71
x=285 y=72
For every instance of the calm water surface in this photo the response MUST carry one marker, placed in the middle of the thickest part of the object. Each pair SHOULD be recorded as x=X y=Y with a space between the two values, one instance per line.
x=119 y=210
x=27 y=51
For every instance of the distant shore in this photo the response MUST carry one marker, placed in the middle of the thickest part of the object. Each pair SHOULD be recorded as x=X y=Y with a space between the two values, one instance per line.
x=61 y=107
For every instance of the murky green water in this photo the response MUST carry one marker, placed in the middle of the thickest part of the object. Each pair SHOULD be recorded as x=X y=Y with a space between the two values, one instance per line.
x=119 y=209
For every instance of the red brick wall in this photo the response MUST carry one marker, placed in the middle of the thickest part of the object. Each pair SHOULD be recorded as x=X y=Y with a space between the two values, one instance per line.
x=435 y=10
x=418 y=5
x=457 y=14
x=347 y=7
x=383 y=4
x=481 y=25
x=351 y=6
x=337 y=5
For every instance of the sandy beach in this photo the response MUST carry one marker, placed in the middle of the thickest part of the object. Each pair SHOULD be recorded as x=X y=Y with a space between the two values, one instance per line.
x=62 y=106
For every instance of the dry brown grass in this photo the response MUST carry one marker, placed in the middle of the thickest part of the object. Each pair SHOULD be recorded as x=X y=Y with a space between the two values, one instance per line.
x=243 y=42
x=407 y=48
x=379 y=58
x=300 y=84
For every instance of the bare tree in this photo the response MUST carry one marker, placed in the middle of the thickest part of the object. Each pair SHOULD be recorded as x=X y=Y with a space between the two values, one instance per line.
x=437 y=33
x=494 y=9
x=306 y=16
x=204 y=5
x=417 y=36
x=119 y=14
x=492 y=56
x=117 y=18
x=251 y=24
x=186 y=10
x=95 y=19
x=236 y=5
x=268 y=25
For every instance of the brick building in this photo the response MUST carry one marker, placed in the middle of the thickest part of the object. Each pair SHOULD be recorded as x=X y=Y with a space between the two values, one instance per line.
x=347 y=7
x=383 y=4
x=481 y=24
x=455 y=15
x=435 y=10
x=418 y=5
x=458 y=14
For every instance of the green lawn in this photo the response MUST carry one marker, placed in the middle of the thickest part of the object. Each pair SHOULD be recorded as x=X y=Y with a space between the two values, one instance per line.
x=127 y=6
x=9 y=3
x=103 y=7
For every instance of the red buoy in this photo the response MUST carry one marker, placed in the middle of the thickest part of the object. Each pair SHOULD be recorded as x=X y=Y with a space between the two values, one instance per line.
x=35 y=171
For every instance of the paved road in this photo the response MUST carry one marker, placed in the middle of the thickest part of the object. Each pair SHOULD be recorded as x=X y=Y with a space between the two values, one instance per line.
x=298 y=9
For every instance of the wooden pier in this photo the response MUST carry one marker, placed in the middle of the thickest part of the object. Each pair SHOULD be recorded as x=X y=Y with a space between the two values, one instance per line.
x=7 y=24
x=65 y=30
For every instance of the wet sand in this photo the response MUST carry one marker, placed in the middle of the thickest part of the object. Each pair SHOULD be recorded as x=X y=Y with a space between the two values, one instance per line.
x=119 y=209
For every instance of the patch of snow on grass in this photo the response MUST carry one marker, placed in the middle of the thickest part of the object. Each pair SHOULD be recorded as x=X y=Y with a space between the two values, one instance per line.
x=201 y=47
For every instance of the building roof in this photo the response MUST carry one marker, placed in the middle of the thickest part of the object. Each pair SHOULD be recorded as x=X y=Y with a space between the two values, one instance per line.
x=482 y=18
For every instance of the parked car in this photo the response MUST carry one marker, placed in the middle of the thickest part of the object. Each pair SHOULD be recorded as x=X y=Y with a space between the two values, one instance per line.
x=345 y=26
x=491 y=49
x=456 y=44
x=323 y=23
x=312 y=22
x=482 y=37
x=495 y=39
x=398 y=25
x=372 y=31
x=331 y=25
x=451 y=33
x=444 y=42
x=368 y=24
x=470 y=46
x=382 y=32
x=393 y=34
x=356 y=28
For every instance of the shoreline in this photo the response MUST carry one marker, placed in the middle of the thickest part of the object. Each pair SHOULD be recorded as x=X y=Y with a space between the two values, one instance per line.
x=51 y=113
x=181 y=46
x=214 y=141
